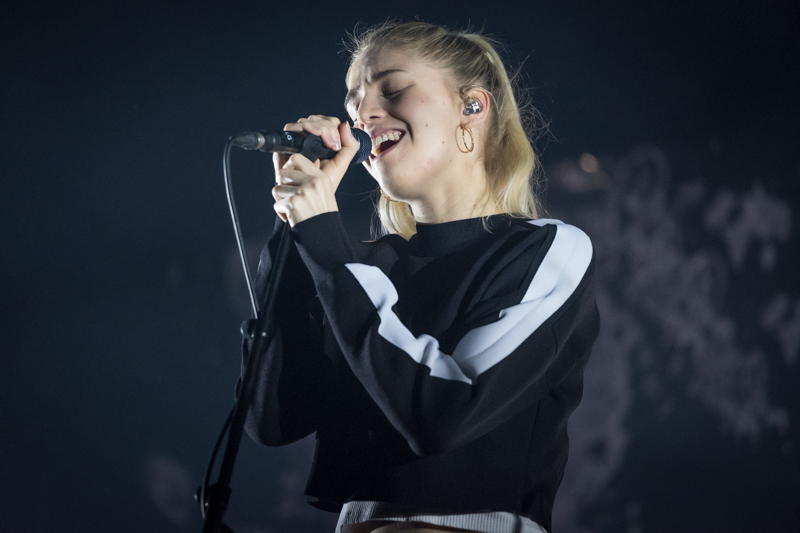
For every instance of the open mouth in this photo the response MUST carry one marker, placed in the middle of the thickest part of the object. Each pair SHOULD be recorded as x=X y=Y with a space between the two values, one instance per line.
x=385 y=142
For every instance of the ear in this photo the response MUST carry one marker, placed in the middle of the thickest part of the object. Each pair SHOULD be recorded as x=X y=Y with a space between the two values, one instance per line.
x=475 y=119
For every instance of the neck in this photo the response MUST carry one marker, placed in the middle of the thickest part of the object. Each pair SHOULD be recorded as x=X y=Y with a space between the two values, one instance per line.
x=458 y=195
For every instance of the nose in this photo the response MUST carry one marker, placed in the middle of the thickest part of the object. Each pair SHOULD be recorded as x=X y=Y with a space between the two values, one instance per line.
x=370 y=109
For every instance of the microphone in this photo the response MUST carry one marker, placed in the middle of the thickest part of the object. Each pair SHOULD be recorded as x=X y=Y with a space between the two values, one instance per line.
x=299 y=142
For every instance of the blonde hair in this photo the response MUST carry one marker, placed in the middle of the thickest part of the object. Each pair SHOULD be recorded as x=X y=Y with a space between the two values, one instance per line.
x=469 y=59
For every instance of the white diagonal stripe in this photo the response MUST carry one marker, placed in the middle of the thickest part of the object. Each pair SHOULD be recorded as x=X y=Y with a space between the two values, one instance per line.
x=481 y=348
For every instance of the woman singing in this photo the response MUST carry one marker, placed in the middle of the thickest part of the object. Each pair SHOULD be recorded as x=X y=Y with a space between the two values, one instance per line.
x=437 y=365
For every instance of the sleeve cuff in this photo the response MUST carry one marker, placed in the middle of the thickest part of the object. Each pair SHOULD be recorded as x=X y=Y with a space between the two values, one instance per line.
x=323 y=241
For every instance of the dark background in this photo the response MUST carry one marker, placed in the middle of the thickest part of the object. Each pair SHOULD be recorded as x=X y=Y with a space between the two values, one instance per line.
x=121 y=298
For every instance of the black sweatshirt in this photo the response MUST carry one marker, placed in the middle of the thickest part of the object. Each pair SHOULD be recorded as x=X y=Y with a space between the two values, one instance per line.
x=439 y=372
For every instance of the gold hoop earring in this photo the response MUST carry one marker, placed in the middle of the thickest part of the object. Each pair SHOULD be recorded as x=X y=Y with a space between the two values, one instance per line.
x=387 y=196
x=464 y=139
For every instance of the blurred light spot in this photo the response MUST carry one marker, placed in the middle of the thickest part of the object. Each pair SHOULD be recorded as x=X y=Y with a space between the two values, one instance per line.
x=633 y=514
x=690 y=195
x=782 y=317
x=588 y=163
x=170 y=487
x=754 y=218
x=769 y=256
x=573 y=178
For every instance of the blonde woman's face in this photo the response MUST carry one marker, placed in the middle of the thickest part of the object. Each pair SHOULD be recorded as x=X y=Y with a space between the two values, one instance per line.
x=411 y=115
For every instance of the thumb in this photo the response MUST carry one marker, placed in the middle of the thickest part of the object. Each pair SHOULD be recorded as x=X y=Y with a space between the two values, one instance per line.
x=337 y=166
x=348 y=139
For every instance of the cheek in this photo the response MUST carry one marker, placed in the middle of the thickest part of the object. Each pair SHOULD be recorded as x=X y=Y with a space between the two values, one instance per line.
x=435 y=157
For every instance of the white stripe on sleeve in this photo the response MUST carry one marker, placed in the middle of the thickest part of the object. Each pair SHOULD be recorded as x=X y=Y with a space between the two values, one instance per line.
x=480 y=349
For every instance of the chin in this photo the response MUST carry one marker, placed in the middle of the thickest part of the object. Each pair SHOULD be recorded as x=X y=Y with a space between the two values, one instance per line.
x=389 y=179
x=400 y=178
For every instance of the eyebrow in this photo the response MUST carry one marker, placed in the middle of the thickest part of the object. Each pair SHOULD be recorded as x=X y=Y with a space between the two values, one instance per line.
x=352 y=93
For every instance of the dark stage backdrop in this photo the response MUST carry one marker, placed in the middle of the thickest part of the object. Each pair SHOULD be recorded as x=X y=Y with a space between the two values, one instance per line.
x=674 y=142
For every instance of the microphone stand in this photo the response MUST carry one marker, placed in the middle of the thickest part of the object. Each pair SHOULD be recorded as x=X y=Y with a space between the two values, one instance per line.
x=261 y=334
x=214 y=504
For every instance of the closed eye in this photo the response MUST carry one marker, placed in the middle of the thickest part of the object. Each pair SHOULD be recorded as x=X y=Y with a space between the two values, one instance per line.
x=352 y=108
x=393 y=94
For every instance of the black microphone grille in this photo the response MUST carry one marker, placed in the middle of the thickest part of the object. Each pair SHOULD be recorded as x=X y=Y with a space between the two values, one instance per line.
x=364 y=150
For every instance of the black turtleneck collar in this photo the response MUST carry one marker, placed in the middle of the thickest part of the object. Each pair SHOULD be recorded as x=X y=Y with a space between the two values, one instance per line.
x=434 y=240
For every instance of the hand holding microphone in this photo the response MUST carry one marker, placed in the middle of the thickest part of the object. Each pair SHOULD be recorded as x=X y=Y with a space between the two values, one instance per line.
x=292 y=142
x=304 y=188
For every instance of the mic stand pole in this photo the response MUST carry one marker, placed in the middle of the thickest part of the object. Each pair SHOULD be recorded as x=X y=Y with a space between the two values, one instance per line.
x=262 y=333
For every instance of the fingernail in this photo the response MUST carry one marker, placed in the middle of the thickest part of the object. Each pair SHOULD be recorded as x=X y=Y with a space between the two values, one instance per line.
x=337 y=145
x=288 y=180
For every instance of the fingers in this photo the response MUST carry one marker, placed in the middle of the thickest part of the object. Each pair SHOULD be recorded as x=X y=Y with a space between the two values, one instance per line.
x=303 y=190
x=321 y=125
x=337 y=166
x=296 y=173
x=285 y=165
x=299 y=162
x=295 y=203
x=334 y=168
x=279 y=192
x=278 y=162
x=283 y=208
x=325 y=127
x=289 y=174
x=290 y=183
x=348 y=139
